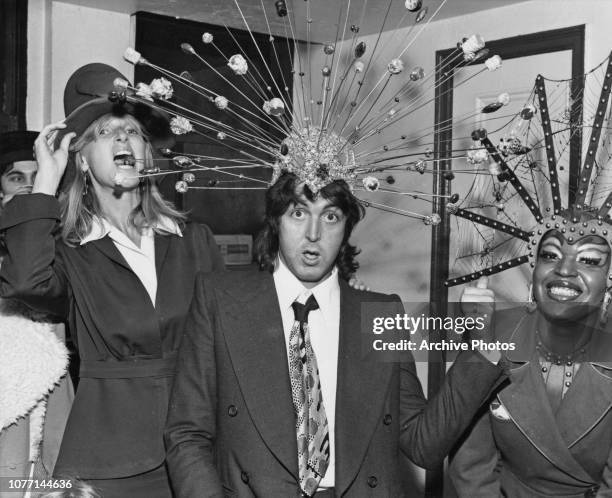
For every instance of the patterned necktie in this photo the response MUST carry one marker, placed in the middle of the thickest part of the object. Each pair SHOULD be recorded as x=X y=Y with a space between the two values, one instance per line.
x=311 y=422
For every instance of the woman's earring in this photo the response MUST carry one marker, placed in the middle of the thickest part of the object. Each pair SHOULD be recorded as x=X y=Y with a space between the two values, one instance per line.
x=603 y=316
x=531 y=302
x=86 y=189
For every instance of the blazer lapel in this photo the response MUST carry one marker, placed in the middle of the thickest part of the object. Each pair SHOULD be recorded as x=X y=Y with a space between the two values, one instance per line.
x=106 y=246
x=162 y=242
x=527 y=403
x=360 y=392
x=162 y=297
x=254 y=335
x=590 y=388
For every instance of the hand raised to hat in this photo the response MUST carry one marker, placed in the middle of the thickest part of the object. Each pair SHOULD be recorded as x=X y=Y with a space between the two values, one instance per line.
x=51 y=162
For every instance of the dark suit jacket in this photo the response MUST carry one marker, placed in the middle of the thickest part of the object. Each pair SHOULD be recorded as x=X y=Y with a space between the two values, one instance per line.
x=126 y=345
x=519 y=448
x=231 y=423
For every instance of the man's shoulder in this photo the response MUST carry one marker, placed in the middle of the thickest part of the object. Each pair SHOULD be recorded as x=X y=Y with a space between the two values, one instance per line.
x=369 y=296
x=233 y=280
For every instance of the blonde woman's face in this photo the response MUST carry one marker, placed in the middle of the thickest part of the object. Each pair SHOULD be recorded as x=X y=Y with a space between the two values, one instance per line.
x=116 y=155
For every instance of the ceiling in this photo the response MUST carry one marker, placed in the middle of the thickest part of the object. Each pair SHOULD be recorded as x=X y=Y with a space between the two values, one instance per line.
x=368 y=14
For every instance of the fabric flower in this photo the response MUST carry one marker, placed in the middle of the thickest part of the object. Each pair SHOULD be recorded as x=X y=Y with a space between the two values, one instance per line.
x=133 y=56
x=274 y=107
x=493 y=63
x=161 y=88
x=396 y=66
x=417 y=74
x=180 y=125
x=472 y=44
x=371 y=183
x=189 y=177
x=182 y=162
x=181 y=187
x=238 y=64
x=143 y=90
x=221 y=102
x=221 y=135
x=477 y=155
x=359 y=67
x=433 y=220
x=187 y=48
x=120 y=84
x=504 y=98
x=207 y=38
x=413 y=5
x=494 y=167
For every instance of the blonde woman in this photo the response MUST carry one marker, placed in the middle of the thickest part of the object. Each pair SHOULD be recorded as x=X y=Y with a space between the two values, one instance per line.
x=121 y=272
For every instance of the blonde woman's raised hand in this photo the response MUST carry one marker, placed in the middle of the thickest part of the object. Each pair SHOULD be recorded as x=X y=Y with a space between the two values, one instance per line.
x=51 y=161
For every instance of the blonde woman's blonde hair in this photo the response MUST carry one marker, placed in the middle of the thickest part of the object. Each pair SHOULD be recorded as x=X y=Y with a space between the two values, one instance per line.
x=80 y=205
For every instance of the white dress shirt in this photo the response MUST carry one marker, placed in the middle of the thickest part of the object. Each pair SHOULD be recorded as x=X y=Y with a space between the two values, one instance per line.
x=324 y=328
x=140 y=259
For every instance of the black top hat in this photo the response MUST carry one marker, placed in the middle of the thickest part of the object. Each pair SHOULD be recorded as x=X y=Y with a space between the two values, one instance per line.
x=91 y=92
x=16 y=146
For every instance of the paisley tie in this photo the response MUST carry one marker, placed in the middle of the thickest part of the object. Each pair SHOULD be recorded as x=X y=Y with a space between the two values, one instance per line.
x=311 y=422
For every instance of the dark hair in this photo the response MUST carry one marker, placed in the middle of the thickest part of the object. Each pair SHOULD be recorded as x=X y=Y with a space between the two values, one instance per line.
x=282 y=195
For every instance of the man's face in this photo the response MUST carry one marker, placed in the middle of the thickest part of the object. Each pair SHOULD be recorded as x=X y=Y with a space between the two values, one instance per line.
x=18 y=179
x=569 y=280
x=310 y=236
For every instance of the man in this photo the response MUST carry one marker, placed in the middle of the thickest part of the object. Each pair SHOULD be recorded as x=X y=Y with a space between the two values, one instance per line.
x=17 y=165
x=273 y=397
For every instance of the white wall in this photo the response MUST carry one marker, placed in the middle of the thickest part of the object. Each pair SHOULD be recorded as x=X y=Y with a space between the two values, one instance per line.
x=63 y=37
x=396 y=250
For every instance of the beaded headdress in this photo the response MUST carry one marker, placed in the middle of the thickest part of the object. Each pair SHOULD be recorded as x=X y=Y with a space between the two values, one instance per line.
x=333 y=123
x=525 y=172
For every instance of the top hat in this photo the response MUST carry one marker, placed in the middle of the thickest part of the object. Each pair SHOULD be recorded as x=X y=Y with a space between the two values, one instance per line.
x=92 y=92
x=16 y=146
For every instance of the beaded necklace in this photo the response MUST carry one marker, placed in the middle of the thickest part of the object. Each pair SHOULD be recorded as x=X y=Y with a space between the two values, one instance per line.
x=550 y=361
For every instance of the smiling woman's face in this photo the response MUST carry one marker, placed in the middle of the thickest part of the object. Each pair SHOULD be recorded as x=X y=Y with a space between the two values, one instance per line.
x=569 y=280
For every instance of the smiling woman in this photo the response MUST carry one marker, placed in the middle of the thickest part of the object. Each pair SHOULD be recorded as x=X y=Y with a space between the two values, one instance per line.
x=570 y=278
x=121 y=273
x=549 y=432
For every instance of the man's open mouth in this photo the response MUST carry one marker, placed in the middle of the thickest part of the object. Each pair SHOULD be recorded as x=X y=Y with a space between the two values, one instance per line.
x=311 y=256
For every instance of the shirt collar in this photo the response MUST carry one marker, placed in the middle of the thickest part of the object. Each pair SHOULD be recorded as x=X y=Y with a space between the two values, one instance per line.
x=289 y=288
x=100 y=228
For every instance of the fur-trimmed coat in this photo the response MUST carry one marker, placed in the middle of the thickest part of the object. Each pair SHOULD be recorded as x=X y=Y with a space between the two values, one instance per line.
x=33 y=364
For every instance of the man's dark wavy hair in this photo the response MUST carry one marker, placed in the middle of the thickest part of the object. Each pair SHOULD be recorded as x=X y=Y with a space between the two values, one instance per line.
x=282 y=195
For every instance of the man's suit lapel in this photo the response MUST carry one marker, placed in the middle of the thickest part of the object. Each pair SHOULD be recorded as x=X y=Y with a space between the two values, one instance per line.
x=253 y=331
x=360 y=392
